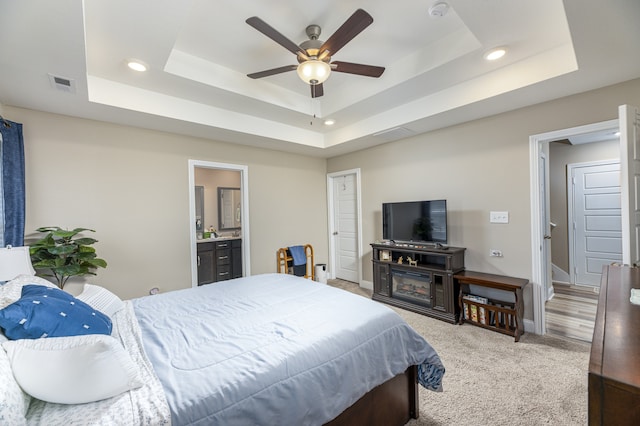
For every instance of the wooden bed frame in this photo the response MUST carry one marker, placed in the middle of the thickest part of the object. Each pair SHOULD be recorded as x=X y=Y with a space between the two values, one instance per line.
x=393 y=403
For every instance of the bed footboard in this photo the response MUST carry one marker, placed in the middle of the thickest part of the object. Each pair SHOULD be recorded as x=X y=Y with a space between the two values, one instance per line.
x=392 y=403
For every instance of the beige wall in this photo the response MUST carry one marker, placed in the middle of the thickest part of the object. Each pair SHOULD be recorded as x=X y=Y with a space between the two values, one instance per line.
x=560 y=155
x=131 y=186
x=478 y=167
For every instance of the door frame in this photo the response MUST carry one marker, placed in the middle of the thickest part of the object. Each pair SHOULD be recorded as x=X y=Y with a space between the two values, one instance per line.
x=536 y=144
x=545 y=205
x=244 y=232
x=331 y=177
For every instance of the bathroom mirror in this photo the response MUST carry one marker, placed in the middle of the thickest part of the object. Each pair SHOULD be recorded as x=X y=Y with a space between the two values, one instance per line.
x=229 y=208
x=199 y=197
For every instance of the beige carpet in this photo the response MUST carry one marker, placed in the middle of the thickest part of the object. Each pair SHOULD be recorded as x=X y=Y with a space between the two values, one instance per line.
x=491 y=380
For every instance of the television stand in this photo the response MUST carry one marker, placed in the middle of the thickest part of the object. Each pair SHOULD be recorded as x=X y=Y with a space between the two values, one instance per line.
x=418 y=277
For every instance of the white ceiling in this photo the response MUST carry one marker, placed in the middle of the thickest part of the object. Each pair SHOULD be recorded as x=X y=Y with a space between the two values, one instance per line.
x=200 y=51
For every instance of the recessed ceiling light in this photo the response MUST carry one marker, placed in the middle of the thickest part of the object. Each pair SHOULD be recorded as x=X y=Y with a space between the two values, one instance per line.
x=329 y=122
x=137 y=65
x=495 y=53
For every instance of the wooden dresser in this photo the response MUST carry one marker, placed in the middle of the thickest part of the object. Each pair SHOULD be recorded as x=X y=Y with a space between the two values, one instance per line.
x=614 y=366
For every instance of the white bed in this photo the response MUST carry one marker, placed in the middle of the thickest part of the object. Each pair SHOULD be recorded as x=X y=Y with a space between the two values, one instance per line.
x=268 y=349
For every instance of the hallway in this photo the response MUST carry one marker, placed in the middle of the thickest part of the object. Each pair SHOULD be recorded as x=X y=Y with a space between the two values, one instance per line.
x=572 y=311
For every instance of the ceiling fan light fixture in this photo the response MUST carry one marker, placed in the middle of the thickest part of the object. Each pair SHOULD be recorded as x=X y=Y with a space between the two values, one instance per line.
x=314 y=55
x=314 y=71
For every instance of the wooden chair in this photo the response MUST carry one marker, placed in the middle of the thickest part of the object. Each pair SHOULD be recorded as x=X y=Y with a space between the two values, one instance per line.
x=285 y=262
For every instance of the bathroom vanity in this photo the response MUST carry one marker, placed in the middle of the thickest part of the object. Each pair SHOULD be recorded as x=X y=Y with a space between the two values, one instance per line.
x=219 y=259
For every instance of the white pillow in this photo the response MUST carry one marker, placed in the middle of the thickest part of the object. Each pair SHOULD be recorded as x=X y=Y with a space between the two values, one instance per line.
x=72 y=370
x=101 y=299
x=12 y=291
x=15 y=261
x=14 y=403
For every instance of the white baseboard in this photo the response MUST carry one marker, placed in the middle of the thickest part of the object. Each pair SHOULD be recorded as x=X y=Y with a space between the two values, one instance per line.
x=559 y=275
x=366 y=284
x=529 y=326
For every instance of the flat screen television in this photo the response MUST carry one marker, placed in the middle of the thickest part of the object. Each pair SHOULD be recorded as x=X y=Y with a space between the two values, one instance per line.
x=415 y=222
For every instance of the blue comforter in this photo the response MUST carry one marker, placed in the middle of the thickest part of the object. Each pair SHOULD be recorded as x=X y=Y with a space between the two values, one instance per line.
x=274 y=349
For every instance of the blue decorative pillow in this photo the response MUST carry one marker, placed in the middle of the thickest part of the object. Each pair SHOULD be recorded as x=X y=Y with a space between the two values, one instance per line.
x=51 y=312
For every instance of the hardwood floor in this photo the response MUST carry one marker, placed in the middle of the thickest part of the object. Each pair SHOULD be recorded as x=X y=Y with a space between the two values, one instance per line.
x=572 y=311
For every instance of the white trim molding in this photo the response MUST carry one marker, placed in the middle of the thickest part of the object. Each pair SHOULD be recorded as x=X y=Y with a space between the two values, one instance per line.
x=244 y=232
x=535 y=145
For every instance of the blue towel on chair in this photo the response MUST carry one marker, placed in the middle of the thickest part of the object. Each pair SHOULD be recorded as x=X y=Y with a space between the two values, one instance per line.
x=298 y=255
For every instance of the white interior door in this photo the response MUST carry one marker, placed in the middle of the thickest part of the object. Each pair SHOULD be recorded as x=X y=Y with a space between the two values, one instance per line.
x=595 y=214
x=629 y=118
x=345 y=230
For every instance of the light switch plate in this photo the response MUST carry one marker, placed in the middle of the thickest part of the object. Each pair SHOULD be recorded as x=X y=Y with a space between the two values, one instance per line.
x=499 y=217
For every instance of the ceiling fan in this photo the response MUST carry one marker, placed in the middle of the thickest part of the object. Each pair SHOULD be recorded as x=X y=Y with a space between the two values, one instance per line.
x=314 y=55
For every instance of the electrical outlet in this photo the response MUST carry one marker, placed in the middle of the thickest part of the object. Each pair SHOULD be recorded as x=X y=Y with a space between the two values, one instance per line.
x=495 y=253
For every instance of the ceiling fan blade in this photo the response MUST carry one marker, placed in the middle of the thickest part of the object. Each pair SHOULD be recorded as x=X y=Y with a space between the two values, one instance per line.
x=317 y=90
x=359 y=69
x=274 y=35
x=273 y=71
x=351 y=28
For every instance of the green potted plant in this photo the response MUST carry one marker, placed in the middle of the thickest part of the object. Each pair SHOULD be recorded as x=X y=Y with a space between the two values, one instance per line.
x=65 y=254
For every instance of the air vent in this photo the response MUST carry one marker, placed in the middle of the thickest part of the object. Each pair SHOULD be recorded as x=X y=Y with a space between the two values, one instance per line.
x=394 y=134
x=62 y=83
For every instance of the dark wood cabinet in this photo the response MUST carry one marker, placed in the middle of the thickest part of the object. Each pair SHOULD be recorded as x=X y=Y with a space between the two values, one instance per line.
x=614 y=370
x=381 y=279
x=222 y=258
x=236 y=258
x=205 y=263
x=219 y=260
x=418 y=278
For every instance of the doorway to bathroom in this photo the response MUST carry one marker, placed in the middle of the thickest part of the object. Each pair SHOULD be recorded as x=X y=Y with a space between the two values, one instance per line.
x=218 y=209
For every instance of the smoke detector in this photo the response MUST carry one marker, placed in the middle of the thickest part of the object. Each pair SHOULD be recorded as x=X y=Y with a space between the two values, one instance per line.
x=439 y=9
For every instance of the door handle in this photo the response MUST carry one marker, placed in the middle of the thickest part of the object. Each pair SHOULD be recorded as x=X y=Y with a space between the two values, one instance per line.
x=198 y=260
x=335 y=233
x=547 y=237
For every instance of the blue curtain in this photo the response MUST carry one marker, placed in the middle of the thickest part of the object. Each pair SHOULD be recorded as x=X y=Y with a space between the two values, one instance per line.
x=12 y=203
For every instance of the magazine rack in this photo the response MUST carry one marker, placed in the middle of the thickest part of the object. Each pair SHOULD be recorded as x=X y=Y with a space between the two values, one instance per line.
x=494 y=314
